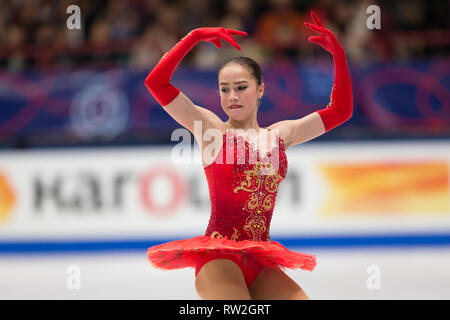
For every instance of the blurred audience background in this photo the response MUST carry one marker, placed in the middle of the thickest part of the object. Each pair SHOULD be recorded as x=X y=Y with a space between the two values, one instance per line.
x=62 y=87
x=136 y=33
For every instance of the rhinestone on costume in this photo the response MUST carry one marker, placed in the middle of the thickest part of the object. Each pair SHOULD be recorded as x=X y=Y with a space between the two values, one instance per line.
x=243 y=193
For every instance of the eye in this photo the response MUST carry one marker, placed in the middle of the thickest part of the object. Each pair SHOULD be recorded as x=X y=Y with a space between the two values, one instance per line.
x=224 y=90
x=242 y=88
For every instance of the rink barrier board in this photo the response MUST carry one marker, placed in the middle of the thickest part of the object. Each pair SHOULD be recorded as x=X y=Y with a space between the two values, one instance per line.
x=391 y=240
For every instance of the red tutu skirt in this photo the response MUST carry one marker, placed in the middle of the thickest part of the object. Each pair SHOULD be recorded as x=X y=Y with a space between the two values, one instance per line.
x=188 y=252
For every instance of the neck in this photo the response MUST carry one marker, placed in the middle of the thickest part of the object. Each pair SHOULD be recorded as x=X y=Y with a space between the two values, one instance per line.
x=244 y=125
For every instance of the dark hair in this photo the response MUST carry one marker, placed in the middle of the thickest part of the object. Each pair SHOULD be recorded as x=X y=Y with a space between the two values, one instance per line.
x=251 y=64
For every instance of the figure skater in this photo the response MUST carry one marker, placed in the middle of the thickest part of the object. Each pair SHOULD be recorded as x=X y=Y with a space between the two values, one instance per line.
x=235 y=258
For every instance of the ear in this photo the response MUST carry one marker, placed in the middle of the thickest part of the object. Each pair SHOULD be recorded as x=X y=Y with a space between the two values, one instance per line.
x=261 y=90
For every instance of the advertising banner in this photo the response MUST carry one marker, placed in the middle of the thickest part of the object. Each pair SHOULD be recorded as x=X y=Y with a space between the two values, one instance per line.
x=130 y=193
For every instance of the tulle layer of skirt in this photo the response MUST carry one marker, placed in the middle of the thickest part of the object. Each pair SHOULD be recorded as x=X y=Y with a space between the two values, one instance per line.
x=187 y=252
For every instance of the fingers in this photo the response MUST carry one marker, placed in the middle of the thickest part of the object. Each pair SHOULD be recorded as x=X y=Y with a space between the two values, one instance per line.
x=230 y=40
x=319 y=40
x=226 y=34
x=313 y=27
x=236 y=32
x=217 y=42
x=316 y=19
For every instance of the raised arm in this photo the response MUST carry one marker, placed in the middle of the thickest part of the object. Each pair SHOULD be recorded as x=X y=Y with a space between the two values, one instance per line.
x=169 y=97
x=340 y=108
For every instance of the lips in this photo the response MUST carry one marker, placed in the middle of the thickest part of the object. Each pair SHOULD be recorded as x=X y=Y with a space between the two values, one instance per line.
x=235 y=106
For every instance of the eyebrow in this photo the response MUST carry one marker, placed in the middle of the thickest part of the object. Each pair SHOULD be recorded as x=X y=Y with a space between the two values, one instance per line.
x=234 y=82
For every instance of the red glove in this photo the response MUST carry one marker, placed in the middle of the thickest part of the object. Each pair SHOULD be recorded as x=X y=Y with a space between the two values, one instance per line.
x=158 y=81
x=340 y=108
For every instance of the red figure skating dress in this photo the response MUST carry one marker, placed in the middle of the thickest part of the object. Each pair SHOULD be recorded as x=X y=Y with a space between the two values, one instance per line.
x=242 y=188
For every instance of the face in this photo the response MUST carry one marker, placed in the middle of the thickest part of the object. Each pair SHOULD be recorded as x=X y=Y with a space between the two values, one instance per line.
x=239 y=92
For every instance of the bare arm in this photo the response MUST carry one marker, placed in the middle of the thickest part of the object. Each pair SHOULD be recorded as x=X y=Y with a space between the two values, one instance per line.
x=183 y=111
x=299 y=130
x=172 y=99
x=340 y=108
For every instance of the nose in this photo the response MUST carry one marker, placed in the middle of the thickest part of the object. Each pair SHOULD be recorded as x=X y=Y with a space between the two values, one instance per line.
x=233 y=96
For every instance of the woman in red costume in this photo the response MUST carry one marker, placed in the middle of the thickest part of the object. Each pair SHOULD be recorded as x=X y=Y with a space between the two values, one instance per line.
x=235 y=258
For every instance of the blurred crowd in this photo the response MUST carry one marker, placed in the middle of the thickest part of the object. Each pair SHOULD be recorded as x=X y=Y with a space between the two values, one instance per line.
x=136 y=33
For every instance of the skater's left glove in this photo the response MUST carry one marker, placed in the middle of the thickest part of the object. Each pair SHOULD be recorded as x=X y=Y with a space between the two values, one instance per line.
x=340 y=108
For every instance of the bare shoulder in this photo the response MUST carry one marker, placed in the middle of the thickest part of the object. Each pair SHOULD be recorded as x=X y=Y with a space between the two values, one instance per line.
x=210 y=129
x=193 y=117
x=281 y=128
x=298 y=131
x=210 y=121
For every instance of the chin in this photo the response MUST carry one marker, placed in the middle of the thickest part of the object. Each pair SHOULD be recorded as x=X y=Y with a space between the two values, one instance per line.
x=237 y=118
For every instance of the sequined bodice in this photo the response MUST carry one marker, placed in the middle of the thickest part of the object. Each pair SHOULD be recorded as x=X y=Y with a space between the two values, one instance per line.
x=243 y=187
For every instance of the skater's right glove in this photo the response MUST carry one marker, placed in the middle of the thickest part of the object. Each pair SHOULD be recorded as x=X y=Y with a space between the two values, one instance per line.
x=158 y=81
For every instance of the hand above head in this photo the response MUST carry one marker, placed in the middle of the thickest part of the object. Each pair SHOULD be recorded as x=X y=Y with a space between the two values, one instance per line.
x=326 y=39
x=214 y=35
x=158 y=80
x=340 y=108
